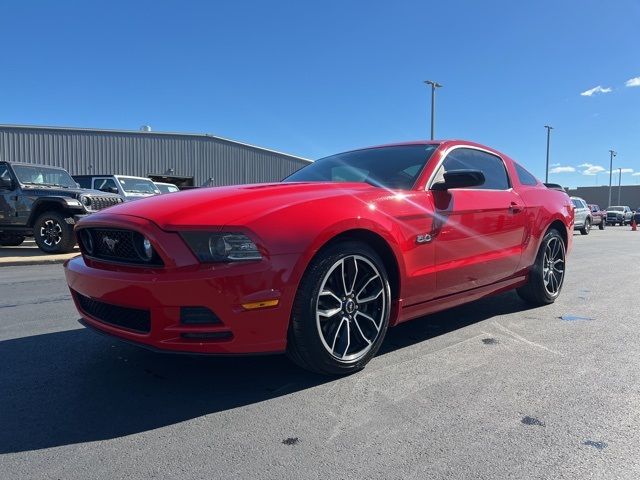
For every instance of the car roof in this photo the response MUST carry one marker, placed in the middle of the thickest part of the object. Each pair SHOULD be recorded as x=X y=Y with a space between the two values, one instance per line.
x=27 y=164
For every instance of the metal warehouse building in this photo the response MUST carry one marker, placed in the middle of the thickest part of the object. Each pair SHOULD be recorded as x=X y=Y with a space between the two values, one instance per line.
x=624 y=195
x=183 y=159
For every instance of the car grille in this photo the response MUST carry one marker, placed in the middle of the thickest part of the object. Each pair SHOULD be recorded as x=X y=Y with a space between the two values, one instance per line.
x=115 y=245
x=100 y=203
x=130 y=318
x=613 y=215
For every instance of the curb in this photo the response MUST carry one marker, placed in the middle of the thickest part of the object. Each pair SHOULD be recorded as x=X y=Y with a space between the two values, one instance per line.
x=33 y=261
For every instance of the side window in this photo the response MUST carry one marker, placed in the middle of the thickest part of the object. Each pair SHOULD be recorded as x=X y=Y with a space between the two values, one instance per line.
x=4 y=172
x=104 y=184
x=524 y=176
x=495 y=174
x=83 y=182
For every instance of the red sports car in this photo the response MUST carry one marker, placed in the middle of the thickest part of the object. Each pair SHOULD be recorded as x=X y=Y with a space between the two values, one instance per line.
x=321 y=264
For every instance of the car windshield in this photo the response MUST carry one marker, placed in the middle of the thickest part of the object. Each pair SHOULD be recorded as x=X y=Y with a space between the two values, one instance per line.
x=615 y=209
x=39 y=175
x=166 y=188
x=395 y=168
x=576 y=203
x=138 y=185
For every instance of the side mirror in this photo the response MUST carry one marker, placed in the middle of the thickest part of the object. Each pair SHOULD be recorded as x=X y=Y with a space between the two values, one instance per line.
x=6 y=183
x=460 y=179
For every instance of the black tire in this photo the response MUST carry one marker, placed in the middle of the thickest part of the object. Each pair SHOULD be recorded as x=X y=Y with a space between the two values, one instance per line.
x=53 y=234
x=307 y=344
x=602 y=225
x=536 y=291
x=11 y=240
x=586 y=227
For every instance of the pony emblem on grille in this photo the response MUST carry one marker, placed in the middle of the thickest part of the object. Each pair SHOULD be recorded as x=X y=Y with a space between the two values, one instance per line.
x=110 y=243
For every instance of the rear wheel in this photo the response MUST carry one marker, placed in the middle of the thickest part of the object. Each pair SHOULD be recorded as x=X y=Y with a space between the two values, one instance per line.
x=11 y=240
x=547 y=273
x=341 y=311
x=53 y=234
x=586 y=227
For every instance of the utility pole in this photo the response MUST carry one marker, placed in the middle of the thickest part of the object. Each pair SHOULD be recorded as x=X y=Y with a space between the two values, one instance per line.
x=546 y=171
x=612 y=154
x=619 y=183
x=434 y=85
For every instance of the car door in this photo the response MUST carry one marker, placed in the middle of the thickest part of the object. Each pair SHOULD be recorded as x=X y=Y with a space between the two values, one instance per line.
x=7 y=198
x=479 y=232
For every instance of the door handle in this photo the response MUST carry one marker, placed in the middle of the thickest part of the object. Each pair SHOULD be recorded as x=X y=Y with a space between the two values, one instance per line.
x=515 y=208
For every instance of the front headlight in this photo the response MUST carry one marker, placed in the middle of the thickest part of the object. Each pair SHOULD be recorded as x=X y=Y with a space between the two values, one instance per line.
x=221 y=247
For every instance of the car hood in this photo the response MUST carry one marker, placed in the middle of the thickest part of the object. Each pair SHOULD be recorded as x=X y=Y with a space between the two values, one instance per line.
x=219 y=206
x=64 y=192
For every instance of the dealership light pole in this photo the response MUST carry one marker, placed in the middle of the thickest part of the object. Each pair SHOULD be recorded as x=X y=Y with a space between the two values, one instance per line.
x=434 y=85
x=619 y=183
x=612 y=154
x=546 y=171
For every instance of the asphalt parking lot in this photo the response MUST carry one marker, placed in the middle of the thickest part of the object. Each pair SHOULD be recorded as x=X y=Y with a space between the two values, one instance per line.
x=492 y=389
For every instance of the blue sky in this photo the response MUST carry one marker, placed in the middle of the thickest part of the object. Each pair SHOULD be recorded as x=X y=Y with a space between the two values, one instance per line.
x=315 y=78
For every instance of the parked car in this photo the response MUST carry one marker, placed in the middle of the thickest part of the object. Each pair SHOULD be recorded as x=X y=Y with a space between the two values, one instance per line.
x=598 y=216
x=323 y=263
x=166 y=187
x=44 y=202
x=130 y=188
x=583 y=219
x=619 y=214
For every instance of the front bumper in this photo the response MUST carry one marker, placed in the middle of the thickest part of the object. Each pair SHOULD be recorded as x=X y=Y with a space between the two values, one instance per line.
x=161 y=293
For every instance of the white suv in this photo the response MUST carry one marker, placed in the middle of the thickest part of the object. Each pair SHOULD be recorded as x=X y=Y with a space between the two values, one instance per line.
x=583 y=218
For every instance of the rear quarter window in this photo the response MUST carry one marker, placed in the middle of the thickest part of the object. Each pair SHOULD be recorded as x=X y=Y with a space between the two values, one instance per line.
x=524 y=176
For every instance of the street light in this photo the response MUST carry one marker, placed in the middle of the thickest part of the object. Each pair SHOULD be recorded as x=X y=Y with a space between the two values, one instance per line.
x=619 y=183
x=546 y=171
x=613 y=154
x=434 y=85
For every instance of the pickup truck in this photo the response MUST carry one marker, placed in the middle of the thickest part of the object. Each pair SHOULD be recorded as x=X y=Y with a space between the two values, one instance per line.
x=129 y=188
x=598 y=216
x=620 y=214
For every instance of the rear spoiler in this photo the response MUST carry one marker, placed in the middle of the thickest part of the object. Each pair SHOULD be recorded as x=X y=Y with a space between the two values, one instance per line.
x=555 y=186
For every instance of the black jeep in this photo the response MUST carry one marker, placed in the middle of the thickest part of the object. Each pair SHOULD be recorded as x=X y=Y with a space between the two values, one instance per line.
x=44 y=202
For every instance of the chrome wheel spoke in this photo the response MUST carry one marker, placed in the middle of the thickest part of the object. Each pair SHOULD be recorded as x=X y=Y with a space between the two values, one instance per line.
x=368 y=318
x=330 y=312
x=370 y=298
x=355 y=320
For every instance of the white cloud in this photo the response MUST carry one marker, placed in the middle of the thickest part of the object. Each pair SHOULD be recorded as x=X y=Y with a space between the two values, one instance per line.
x=632 y=82
x=624 y=170
x=592 y=169
x=595 y=90
x=637 y=174
x=586 y=165
x=555 y=164
x=562 y=170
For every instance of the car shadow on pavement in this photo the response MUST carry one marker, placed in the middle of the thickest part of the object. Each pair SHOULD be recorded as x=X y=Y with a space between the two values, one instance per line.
x=75 y=386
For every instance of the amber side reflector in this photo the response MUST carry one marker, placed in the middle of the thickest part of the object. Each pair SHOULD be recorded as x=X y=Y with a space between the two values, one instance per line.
x=263 y=304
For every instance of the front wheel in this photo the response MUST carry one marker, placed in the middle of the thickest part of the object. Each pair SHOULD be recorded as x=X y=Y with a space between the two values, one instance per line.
x=547 y=273
x=53 y=234
x=341 y=311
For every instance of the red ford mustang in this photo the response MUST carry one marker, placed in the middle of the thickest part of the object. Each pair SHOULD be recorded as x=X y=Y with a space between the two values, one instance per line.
x=320 y=265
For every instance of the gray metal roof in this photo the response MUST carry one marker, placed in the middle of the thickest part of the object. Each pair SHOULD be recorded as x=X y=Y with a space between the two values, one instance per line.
x=152 y=132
